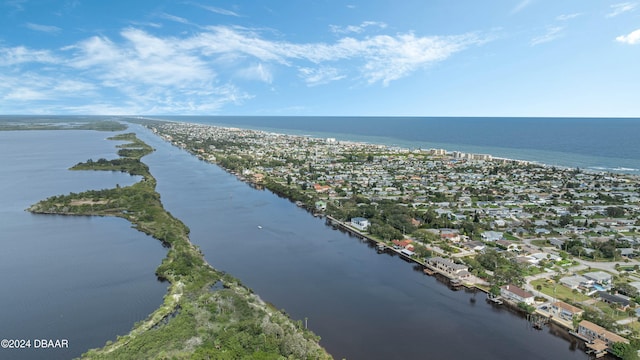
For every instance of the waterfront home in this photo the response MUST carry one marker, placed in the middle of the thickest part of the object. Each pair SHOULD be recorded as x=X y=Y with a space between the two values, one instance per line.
x=564 y=311
x=403 y=244
x=360 y=223
x=598 y=338
x=449 y=267
x=515 y=294
x=258 y=178
x=407 y=252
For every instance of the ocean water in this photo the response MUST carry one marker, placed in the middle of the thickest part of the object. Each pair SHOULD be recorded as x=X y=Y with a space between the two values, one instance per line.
x=598 y=144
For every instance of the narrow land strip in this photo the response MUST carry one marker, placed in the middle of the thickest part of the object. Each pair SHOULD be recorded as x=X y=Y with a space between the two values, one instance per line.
x=205 y=314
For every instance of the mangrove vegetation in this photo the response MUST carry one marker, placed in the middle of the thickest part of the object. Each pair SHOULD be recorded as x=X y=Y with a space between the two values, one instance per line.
x=206 y=314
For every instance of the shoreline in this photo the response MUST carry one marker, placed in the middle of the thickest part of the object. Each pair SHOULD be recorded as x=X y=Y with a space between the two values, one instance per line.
x=192 y=279
x=252 y=181
x=410 y=145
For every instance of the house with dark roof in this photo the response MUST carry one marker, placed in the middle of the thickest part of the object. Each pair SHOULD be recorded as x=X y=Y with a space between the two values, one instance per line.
x=622 y=301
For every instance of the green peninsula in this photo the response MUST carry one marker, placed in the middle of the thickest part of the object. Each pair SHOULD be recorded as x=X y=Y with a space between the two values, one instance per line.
x=205 y=314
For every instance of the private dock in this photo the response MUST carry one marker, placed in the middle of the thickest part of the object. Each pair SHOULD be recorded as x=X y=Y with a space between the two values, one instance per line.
x=537 y=321
x=494 y=299
x=454 y=281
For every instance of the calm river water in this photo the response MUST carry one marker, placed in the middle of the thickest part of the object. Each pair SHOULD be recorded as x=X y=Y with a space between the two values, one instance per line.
x=88 y=279
x=83 y=279
x=364 y=305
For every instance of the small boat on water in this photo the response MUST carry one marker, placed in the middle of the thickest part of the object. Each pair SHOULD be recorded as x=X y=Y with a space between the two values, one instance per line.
x=259 y=226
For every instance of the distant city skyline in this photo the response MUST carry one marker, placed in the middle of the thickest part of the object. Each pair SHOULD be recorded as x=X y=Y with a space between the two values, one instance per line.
x=516 y=58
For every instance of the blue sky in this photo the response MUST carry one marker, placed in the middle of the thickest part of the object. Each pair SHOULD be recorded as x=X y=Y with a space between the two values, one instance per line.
x=330 y=57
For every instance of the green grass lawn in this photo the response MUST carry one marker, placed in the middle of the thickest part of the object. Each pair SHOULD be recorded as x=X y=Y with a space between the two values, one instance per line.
x=607 y=309
x=510 y=237
x=540 y=242
x=561 y=292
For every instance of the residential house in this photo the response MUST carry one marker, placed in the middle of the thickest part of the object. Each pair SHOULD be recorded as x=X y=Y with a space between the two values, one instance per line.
x=360 y=223
x=449 y=267
x=515 y=294
x=537 y=257
x=450 y=236
x=628 y=252
x=600 y=277
x=321 y=188
x=564 y=311
x=620 y=300
x=576 y=282
x=492 y=236
x=403 y=244
x=598 y=338
x=557 y=242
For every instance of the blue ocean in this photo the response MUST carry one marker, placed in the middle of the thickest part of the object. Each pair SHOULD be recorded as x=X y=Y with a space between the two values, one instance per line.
x=596 y=144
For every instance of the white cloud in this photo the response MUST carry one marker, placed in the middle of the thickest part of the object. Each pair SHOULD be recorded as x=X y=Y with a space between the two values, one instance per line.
x=632 y=38
x=43 y=28
x=174 y=18
x=32 y=87
x=357 y=29
x=565 y=17
x=257 y=72
x=621 y=8
x=149 y=24
x=24 y=94
x=218 y=10
x=521 y=5
x=144 y=59
x=553 y=32
x=320 y=76
x=145 y=73
x=21 y=54
x=388 y=58
x=381 y=58
x=18 y=5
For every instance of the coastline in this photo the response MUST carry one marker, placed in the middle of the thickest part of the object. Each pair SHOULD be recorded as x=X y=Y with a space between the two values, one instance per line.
x=248 y=177
x=541 y=156
x=196 y=288
x=528 y=156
